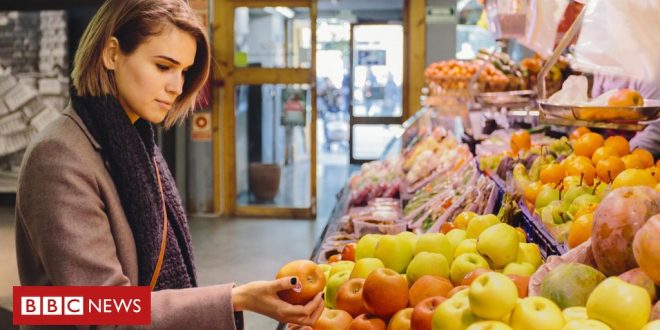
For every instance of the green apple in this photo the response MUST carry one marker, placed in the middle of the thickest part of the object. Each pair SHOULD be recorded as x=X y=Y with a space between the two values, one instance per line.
x=436 y=243
x=395 y=253
x=499 y=244
x=468 y=245
x=586 y=325
x=519 y=268
x=427 y=263
x=529 y=253
x=545 y=196
x=572 y=193
x=332 y=287
x=366 y=246
x=582 y=201
x=575 y=313
x=341 y=266
x=410 y=237
x=619 y=304
x=326 y=270
x=455 y=236
x=365 y=266
x=570 y=284
x=479 y=223
x=465 y=263
x=536 y=313
x=453 y=314
x=489 y=325
x=492 y=296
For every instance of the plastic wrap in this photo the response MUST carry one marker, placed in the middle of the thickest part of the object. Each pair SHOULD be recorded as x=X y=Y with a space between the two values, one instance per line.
x=620 y=38
x=542 y=21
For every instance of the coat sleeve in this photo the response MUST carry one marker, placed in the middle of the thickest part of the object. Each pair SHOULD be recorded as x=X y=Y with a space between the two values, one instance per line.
x=60 y=211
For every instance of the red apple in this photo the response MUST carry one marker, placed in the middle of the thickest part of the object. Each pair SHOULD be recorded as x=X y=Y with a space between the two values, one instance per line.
x=349 y=297
x=457 y=290
x=309 y=275
x=467 y=280
x=367 y=322
x=428 y=286
x=400 y=320
x=422 y=315
x=385 y=292
x=522 y=283
x=333 y=319
x=348 y=252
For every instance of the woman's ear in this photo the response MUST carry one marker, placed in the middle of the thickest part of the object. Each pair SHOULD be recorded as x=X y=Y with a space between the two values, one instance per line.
x=111 y=53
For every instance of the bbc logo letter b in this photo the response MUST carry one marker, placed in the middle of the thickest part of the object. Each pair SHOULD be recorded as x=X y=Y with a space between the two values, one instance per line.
x=31 y=305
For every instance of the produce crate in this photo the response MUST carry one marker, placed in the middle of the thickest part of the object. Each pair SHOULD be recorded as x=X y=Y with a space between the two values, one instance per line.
x=537 y=232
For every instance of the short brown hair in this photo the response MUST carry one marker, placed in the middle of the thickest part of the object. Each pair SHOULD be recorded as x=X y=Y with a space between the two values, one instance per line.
x=132 y=22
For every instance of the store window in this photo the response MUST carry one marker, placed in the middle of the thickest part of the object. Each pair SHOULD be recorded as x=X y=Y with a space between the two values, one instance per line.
x=370 y=141
x=273 y=150
x=471 y=32
x=272 y=37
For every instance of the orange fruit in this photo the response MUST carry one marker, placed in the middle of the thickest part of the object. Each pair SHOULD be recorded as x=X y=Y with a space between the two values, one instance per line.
x=602 y=153
x=619 y=143
x=631 y=161
x=578 y=132
x=521 y=140
x=655 y=171
x=552 y=173
x=532 y=190
x=608 y=168
x=657 y=163
x=580 y=230
x=582 y=169
x=587 y=144
x=645 y=157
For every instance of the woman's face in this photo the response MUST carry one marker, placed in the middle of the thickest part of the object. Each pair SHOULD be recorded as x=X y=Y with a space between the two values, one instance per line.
x=150 y=79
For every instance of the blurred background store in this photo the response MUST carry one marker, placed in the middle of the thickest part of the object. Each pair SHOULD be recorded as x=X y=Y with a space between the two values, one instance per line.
x=303 y=92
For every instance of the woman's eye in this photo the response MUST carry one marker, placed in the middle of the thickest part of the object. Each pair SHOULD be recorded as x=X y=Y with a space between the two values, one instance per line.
x=162 y=67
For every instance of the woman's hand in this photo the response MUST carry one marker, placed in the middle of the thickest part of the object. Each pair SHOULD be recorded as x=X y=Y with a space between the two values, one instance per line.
x=261 y=297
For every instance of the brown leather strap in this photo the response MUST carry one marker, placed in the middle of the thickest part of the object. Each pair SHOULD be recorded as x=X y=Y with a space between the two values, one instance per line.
x=154 y=277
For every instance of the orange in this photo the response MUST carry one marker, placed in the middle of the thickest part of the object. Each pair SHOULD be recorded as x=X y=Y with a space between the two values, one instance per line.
x=552 y=173
x=655 y=171
x=587 y=144
x=582 y=169
x=632 y=161
x=520 y=140
x=532 y=190
x=578 y=132
x=602 y=153
x=645 y=157
x=619 y=143
x=608 y=168
x=657 y=163
x=580 y=230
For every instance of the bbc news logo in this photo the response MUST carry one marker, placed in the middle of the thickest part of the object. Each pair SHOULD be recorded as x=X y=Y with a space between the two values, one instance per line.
x=82 y=305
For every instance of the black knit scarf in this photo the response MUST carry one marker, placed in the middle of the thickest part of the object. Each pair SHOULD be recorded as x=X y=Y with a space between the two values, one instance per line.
x=130 y=150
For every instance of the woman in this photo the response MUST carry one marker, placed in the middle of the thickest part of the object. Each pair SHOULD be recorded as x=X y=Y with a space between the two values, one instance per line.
x=96 y=203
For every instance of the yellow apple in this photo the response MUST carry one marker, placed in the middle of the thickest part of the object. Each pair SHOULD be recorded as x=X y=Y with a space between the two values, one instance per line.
x=455 y=237
x=365 y=266
x=427 y=263
x=468 y=245
x=653 y=325
x=479 y=223
x=394 y=252
x=453 y=314
x=519 y=268
x=436 y=243
x=499 y=244
x=489 y=325
x=462 y=219
x=341 y=266
x=586 y=325
x=492 y=296
x=366 y=246
x=400 y=320
x=575 y=313
x=619 y=304
x=529 y=253
x=536 y=313
x=464 y=264
x=410 y=237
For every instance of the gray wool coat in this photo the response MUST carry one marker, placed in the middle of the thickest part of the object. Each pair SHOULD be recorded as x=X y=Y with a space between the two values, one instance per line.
x=71 y=229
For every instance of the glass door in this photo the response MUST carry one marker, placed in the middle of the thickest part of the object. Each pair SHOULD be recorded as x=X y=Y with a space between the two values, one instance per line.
x=267 y=136
x=377 y=61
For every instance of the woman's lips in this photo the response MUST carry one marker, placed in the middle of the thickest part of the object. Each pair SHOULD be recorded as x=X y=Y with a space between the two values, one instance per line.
x=164 y=105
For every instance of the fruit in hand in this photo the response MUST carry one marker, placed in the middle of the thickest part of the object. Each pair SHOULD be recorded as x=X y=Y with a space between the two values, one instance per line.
x=311 y=278
x=385 y=292
x=499 y=244
x=536 y=313
x=619 y=304
x=646 y=247
x=570 y=284
x=492 y=296
x=625 y=98
x=616 y=221
x=609 y=168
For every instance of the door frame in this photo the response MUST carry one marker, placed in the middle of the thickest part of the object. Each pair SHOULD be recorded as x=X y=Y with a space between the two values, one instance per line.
x=226 y=76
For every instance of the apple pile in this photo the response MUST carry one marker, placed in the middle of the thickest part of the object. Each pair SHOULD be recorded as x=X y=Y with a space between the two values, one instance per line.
x=400 y=280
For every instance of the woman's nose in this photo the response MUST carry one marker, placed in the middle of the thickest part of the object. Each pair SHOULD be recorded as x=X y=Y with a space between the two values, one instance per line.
x=175 y=84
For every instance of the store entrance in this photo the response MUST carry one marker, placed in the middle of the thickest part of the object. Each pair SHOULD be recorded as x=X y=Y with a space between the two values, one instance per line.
x=377 y=92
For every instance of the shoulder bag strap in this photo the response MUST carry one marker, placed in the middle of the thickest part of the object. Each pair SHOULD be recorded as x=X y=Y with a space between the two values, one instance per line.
x=159 y=264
